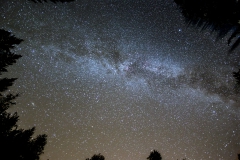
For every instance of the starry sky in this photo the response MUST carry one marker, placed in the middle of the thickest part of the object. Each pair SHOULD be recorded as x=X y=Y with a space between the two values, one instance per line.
x=122 y=78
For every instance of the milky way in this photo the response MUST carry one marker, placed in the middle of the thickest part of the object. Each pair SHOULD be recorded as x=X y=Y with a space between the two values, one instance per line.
x=122 y=78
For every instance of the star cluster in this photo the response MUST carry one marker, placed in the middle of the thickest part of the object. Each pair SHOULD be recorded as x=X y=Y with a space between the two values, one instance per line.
x=122 y=78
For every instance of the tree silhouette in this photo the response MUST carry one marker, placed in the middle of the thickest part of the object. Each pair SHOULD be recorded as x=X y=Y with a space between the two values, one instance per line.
x=154 y=155
x=15 y=144
x=236 y=75
x=221 y=16
x=54 y=1
x=97 y=157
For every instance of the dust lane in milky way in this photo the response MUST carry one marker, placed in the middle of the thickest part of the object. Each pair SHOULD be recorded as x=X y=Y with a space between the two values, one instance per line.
x=122 y=78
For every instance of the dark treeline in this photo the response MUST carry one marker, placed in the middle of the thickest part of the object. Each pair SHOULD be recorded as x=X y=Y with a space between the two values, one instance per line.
x=15 y=143
x=154 y=155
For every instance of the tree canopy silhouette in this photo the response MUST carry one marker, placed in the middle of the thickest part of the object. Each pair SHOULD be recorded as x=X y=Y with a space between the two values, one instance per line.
x=15 y=144
x=154 y=155
x=222 y=16
x=97 y=157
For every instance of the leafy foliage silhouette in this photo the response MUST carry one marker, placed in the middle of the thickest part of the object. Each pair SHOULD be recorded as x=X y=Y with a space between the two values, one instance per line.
x=15 y=144
x=97 y=157
x=154 y=155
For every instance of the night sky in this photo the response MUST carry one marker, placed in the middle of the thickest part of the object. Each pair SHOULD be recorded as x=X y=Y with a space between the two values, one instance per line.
x=122 y=78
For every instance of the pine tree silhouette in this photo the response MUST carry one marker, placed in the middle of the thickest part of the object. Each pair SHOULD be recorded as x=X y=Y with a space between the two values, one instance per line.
x=219 y=16
x=154 y=155
x=97 y=157
x=15 y=144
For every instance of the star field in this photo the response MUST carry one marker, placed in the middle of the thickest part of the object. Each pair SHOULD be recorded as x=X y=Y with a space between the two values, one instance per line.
x=122 y=78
